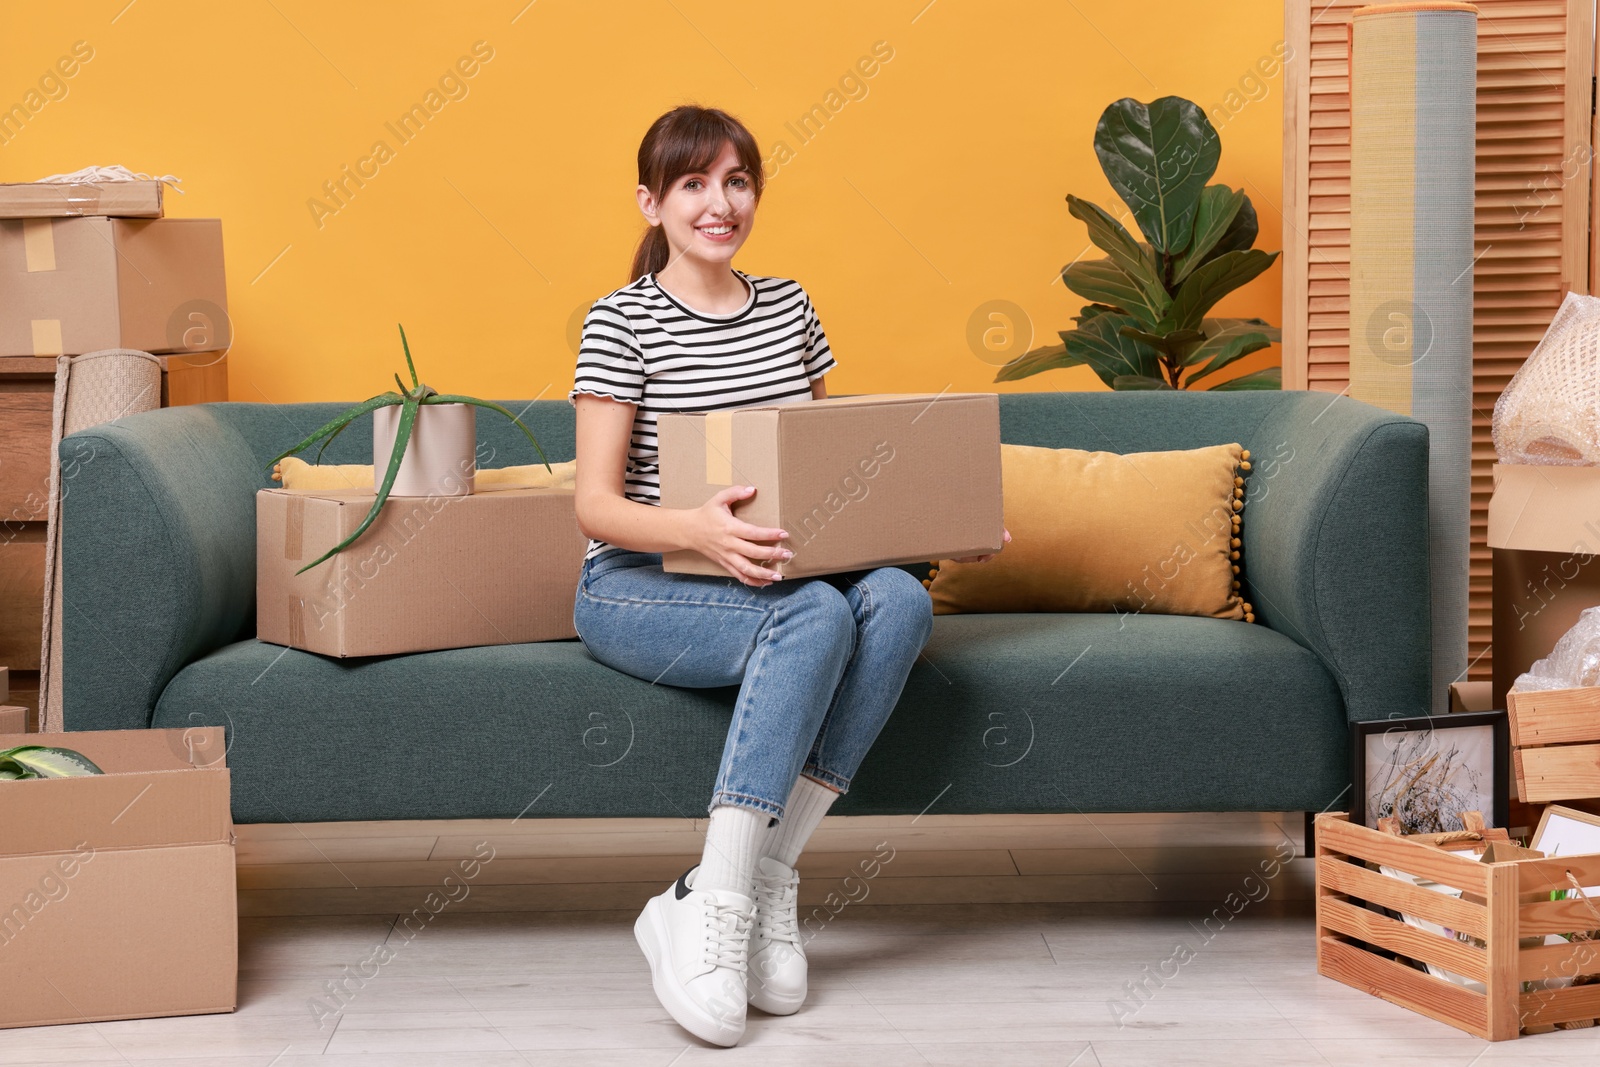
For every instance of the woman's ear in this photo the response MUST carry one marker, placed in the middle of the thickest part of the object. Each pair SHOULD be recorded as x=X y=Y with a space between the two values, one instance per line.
x=647 y=204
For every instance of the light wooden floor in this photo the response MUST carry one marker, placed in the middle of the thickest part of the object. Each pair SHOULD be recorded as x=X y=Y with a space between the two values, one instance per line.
x=1080 y=981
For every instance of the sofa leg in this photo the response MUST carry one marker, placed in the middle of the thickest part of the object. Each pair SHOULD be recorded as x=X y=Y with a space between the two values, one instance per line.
x=1311 y=833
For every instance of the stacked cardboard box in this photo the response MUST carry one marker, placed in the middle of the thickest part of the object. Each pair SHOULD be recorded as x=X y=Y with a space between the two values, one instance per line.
x=76 y=276
x=1544 y=535
x=115 y=199
x=13 y=717
x=117 y=895
x=491 y=568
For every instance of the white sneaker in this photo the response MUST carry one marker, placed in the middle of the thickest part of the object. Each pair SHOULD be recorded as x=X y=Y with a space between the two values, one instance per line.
x=698 y=942
x=777 y=971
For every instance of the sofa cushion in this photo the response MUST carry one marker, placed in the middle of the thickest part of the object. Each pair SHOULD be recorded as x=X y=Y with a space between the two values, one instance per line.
x=1001 y=713
x=1101 y=531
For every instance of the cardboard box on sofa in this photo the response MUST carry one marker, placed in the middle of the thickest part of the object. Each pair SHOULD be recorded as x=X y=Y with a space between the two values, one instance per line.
x=493 y=568
x=75 y=285
x=37 y=200
x=117 y=893
x=857 y=481
x=1544 y=536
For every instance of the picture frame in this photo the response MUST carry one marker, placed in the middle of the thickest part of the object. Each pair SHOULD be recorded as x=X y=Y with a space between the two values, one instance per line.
x=1429 y=769
x=1564 y=831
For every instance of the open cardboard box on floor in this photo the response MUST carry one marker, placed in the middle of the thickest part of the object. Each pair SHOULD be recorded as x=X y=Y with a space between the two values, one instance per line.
x=856 y=481
x=490 y=568
x=75 y=285
x=117 y=894
x=1544 y=536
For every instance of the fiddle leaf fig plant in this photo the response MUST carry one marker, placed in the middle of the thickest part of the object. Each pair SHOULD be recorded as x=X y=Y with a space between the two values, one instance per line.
x=1147 y=324
x=411 y=401
x=43 y=761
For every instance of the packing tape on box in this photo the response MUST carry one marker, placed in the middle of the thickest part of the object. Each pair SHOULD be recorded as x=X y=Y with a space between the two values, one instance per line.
x=719 y=447
x=297 y=621
x=294 y=529
x=47 y=337
x=38 y=245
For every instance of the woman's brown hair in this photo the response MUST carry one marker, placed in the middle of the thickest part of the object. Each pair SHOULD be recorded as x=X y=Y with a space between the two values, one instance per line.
x=687 y=140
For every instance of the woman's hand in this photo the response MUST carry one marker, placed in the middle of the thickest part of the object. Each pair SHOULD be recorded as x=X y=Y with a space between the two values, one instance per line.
x=983 y=558
x=730 y=541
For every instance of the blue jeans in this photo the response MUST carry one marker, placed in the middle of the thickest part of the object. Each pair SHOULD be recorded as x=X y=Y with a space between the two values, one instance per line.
x=820 y=662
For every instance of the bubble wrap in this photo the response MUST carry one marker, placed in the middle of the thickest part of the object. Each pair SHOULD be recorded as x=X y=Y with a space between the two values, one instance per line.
x=1550 y=413
x=1574 y=662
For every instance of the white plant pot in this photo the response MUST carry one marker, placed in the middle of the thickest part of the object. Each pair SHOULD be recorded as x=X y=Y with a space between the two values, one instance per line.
x=441 y=458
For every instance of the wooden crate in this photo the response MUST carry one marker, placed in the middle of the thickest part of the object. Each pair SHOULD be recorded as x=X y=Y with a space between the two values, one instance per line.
x=1555 y=741
x=1502 y=903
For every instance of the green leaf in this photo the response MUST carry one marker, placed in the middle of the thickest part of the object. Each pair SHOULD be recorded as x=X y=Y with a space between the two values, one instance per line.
x=451 y=398
x=1102 y=281
x=1028 y=364
x=1173 y=344
x=1241 y=233
x=1228 y=340
x=1269 y=378
x=326 y=441
x=1124 y=382
x=43 y=761
x=370 y=404
x=408 y=419
x=1218 y=207
x=1089 y=311
x=1211 y=282
x=1110 y=236
x=411 y=365
x=1158 y=157
x=1100 y=344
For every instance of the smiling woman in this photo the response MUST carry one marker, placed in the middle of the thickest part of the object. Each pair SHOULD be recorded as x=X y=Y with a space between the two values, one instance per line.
x=691 y=333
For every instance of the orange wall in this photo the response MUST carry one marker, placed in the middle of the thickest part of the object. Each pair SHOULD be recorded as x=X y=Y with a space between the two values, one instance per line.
x=937 y=187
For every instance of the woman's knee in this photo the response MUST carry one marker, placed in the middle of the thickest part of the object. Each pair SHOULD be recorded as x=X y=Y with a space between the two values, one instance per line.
x=824 y=608
x=899 y=596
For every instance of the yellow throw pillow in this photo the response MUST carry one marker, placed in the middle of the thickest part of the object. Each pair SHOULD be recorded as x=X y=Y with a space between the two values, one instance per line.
x=1153 y=532
x=296 y=473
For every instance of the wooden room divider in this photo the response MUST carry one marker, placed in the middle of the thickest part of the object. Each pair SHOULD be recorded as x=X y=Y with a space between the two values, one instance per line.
x=1533 y=206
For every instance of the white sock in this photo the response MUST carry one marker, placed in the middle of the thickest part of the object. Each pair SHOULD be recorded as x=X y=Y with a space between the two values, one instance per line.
x=733 y=845
x=808 y=802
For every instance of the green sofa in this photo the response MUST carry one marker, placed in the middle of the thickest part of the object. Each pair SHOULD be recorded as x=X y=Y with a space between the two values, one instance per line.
x=1002 y=713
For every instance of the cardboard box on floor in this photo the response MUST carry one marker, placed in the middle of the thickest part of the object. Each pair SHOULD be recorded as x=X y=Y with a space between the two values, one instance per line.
x=37 y=200
x=491 y=568
x=117 y=893
x=857 y=482
x=75 y=285
x=1544 y=536
x=13 y=719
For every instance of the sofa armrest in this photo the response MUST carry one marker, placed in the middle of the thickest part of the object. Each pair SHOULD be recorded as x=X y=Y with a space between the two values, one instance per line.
x=1335 y=546
x=157 y=557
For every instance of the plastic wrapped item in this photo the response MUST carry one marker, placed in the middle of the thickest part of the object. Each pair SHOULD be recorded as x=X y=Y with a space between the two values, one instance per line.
x=1550 y=412
x=1573 y=663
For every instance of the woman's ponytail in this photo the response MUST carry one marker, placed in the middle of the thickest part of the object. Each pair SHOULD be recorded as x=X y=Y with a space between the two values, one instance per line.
x=651 y=254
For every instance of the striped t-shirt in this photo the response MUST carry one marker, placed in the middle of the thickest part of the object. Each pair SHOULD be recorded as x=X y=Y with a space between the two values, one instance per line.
x=642 y=345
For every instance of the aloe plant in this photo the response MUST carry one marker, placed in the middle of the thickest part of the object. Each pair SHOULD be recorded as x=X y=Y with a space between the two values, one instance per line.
x=43 y=761
x=410 y=401
x=1146 y=326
